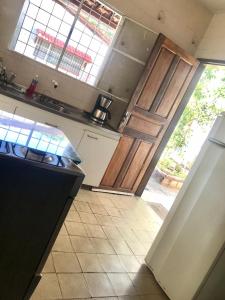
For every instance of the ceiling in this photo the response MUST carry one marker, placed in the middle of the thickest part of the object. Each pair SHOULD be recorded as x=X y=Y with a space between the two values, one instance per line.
x=214 y=6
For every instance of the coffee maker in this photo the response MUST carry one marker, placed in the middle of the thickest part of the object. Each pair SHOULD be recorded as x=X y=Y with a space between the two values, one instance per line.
x=100 y=113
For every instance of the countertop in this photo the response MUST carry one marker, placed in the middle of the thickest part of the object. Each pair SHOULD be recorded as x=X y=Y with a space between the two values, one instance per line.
x=75 y=113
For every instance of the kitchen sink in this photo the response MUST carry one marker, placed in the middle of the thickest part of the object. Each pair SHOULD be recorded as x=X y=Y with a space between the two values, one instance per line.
x=11 y=89
x=52 y=104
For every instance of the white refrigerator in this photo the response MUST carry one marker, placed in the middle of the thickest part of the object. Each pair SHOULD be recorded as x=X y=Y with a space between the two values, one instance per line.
x=187 y=257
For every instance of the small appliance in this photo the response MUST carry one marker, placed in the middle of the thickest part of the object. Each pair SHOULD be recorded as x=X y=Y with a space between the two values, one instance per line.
x=100 y=113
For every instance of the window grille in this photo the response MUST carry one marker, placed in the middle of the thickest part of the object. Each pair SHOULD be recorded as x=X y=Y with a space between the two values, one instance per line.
x=71 y=36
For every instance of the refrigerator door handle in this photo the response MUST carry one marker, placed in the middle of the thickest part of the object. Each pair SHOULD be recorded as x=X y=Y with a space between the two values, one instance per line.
x=217 y=142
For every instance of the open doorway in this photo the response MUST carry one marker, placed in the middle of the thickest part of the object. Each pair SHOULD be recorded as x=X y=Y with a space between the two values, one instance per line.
x=206 y=102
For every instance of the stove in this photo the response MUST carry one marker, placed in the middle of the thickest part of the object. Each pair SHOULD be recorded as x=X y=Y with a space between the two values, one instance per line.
x=39 y=180
x=37 y=142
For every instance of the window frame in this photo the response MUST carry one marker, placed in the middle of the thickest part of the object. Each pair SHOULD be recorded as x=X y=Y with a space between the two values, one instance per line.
x=18 y=28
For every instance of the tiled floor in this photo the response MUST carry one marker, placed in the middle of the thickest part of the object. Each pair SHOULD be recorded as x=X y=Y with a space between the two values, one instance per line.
x=100 y=251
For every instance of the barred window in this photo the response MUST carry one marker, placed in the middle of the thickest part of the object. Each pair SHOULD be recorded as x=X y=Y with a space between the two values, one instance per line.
x=72 y=36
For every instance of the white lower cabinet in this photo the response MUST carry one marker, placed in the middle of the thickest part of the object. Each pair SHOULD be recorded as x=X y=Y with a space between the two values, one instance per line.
x=96 y=152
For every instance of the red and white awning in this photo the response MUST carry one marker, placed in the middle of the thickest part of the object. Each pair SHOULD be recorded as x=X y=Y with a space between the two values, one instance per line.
x=58 y=43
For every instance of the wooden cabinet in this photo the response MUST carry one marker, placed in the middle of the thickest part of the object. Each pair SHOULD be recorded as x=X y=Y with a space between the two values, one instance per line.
x=150 y=112
x=127 y=59
x=96 y=151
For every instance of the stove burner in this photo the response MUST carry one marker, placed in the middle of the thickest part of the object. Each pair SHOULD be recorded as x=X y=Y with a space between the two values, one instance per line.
x=37 y=155
x=3 y=147
x=34 y=153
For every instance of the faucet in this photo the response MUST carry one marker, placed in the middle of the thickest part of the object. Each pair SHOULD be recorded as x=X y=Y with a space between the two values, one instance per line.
x=3 y=75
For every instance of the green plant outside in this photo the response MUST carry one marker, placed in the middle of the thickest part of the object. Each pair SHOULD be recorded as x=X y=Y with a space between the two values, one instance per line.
x=202 y=109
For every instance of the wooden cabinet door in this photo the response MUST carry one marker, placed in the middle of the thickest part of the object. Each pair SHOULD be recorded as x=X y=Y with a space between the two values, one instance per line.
x=159 y=92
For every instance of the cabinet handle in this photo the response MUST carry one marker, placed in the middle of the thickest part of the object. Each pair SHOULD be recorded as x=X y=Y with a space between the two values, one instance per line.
x=92 y=137
x=52 y=125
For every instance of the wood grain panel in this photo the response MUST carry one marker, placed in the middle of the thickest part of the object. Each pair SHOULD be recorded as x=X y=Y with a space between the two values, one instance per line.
x=144 y=126
x=136 y=165
x=173 y=89
x=117 y=161
x=139 y=135
x=155 y=80
x=155 y=101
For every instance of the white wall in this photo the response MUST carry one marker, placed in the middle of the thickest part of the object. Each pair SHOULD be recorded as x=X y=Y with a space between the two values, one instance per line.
x=213 y=43
x=184 y=20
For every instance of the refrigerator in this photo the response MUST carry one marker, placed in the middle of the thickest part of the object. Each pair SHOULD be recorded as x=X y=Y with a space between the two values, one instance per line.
x=187 y=257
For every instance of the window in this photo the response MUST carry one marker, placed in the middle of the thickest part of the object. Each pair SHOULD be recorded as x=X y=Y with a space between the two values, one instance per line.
x=70 y=36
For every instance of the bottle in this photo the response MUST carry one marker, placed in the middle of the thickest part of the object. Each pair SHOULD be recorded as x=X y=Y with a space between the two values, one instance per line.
x=30 y=91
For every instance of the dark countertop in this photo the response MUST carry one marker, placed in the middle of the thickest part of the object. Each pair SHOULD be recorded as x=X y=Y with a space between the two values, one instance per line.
x=38 y=137
x=74 y=114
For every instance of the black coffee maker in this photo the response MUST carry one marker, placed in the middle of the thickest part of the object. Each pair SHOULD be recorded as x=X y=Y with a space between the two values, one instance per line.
x=100 y=113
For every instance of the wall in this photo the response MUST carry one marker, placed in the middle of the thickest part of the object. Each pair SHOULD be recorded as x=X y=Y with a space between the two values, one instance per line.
x=182 y=20
x=176 y=23
x=213 y=43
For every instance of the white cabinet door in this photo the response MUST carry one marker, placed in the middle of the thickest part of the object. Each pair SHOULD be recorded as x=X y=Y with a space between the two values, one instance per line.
x=6 y=104
x=96 y=152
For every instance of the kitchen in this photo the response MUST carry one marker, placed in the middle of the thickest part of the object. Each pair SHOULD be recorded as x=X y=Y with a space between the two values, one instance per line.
x=117 y=79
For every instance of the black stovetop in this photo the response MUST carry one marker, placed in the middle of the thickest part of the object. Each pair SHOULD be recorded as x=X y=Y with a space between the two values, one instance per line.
x=30 y=140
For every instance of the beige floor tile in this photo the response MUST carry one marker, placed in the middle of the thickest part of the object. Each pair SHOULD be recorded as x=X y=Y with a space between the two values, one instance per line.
x=62 y=244
x=105 y=298
x=73 y=286
x=130 y=263
x=112 y=232
x=144 y=235
x=66 y=262
x=98 y=209
x=95 y=231
x=118 y=221
x=127 y=233
x=111 y=263
x=75 y=228
x=129 y=297
x=82 y=206
x=82 y=244
x=73 y=216
x=145 y=284
x=133 y=229
x=49 y=266
x=88 y=218
x=89 y=262
x=99 y=285
x=136 y=247
x=141 y=259
x=104 y=220
x=102 y=246
x=121 y=284
x=120 y=247
x=48 y=288
x=106 y=201
x=153 y=297
x=63 y=230
x=112 y=211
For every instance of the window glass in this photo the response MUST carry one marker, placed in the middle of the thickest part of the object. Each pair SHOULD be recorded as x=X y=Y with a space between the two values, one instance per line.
x=71 y=36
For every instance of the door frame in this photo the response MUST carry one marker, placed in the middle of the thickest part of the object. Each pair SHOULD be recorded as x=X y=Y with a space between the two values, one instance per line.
x=176 y=117
x=173 y=124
